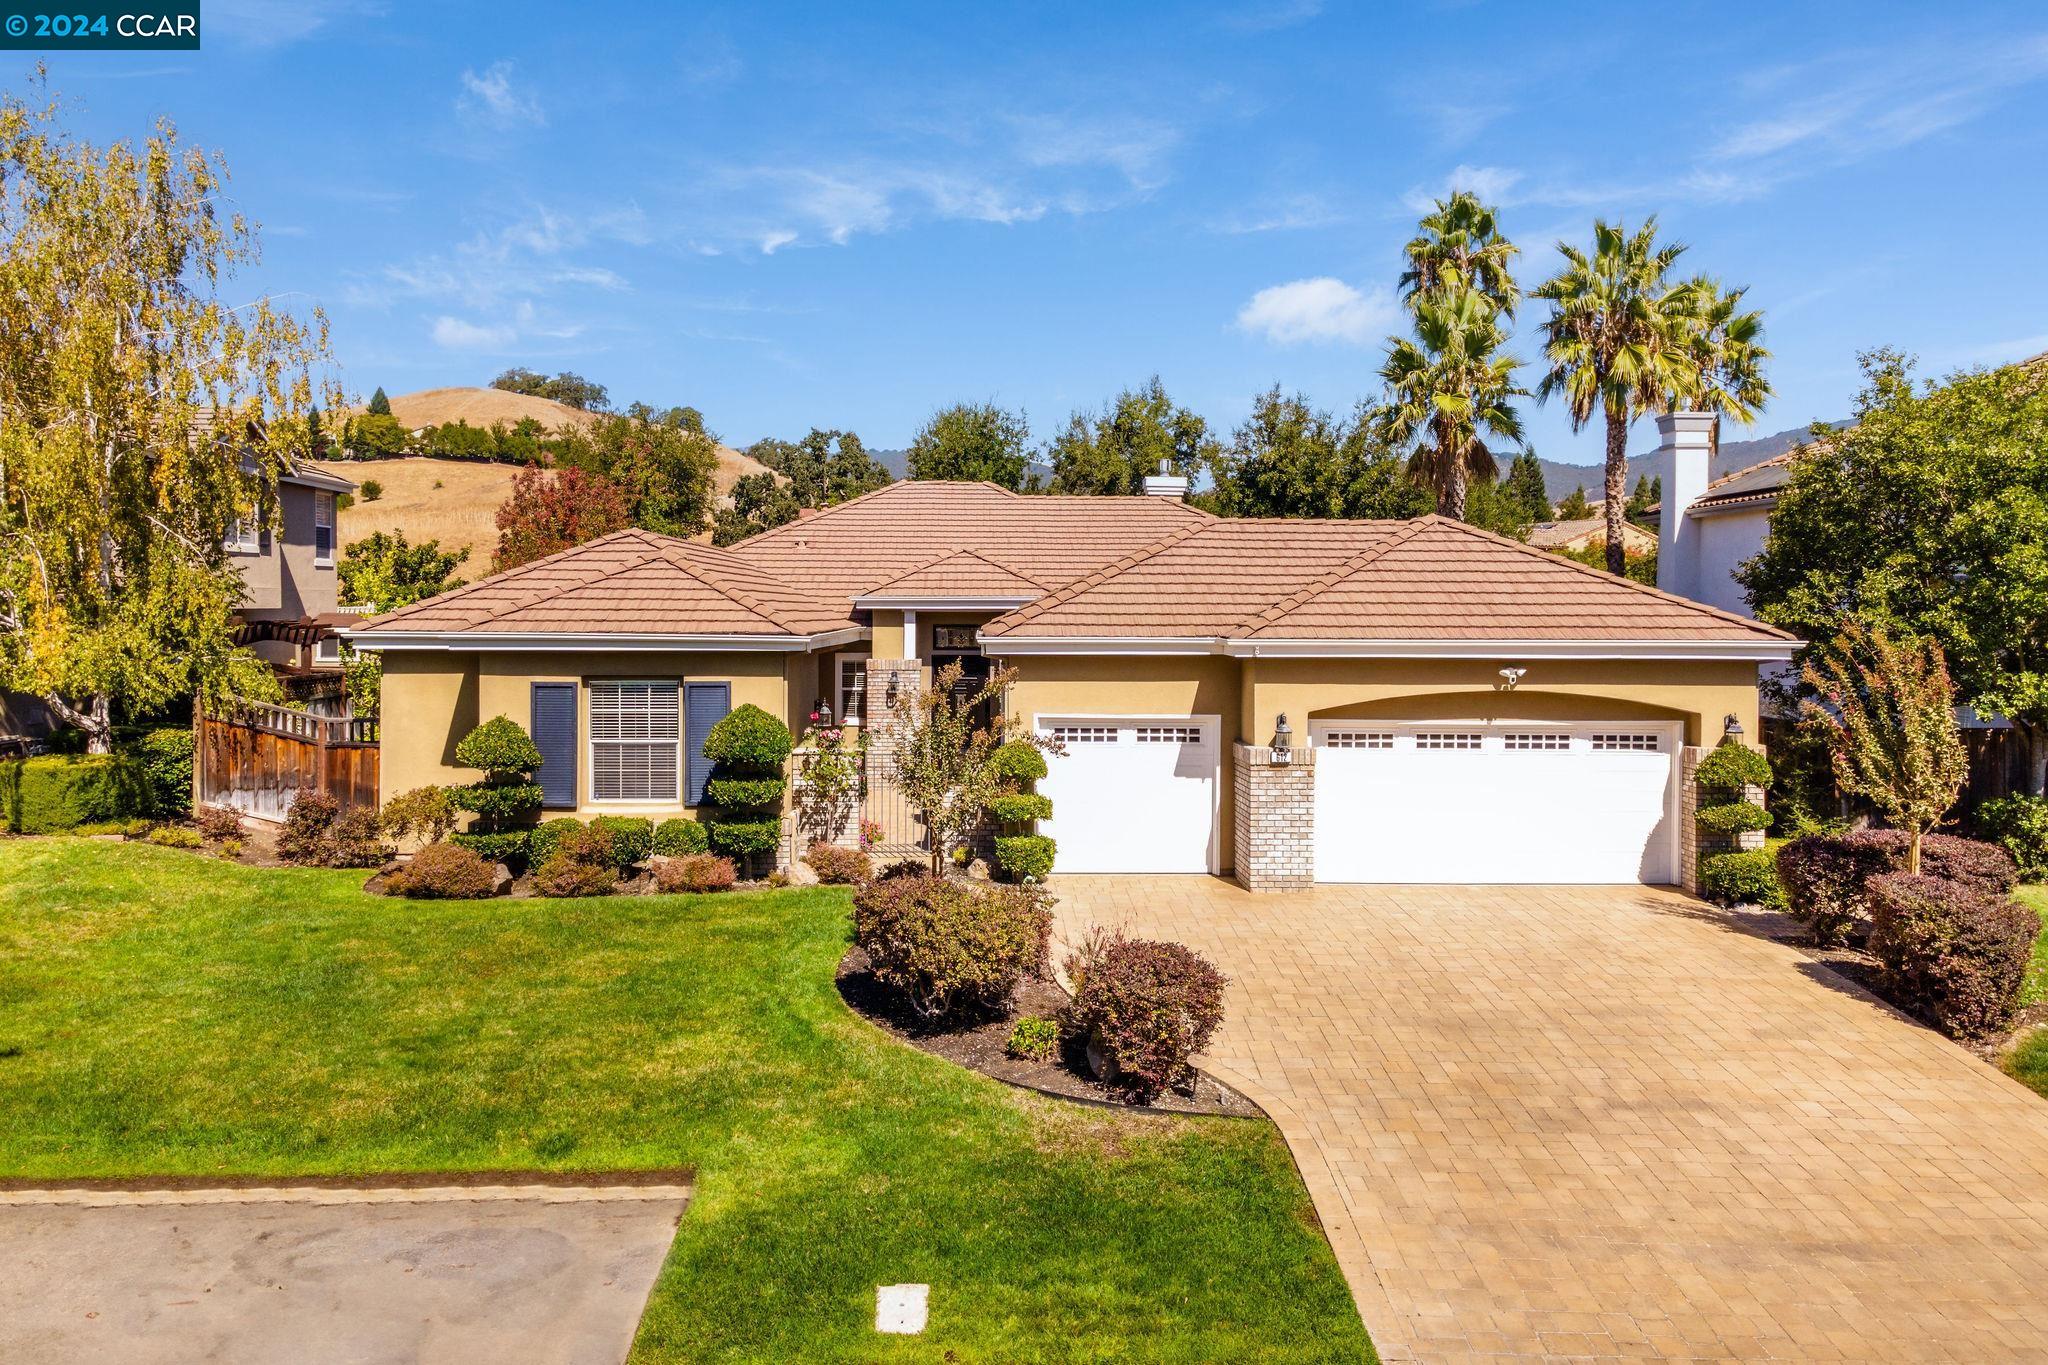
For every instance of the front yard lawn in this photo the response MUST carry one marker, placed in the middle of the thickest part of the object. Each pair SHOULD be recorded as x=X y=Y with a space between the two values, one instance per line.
x=2028 y=1062
x=161 y=1014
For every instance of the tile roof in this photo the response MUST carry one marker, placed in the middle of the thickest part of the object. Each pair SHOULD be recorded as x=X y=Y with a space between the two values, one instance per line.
x=1549 y=535
x=1757 y=483
x=627 y=583
x=963 y=573
x=1429 y=579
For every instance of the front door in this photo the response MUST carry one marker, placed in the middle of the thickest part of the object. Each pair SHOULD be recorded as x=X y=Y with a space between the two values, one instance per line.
x=956 y=644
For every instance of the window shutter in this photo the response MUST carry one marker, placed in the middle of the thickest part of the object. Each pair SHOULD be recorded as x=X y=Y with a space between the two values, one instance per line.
x=704 y=705
x=554 y=734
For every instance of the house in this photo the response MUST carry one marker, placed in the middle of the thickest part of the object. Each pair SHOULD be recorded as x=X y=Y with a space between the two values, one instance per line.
x=1708 y=528
x=1289 y=700
x=1589 y=533
x=291 y=608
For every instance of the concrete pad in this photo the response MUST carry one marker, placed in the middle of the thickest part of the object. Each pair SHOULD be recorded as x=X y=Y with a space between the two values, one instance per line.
x=499 y=1282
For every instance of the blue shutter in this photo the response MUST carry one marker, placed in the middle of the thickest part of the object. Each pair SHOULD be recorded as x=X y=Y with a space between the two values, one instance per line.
x=704 y=705
x=554 y=734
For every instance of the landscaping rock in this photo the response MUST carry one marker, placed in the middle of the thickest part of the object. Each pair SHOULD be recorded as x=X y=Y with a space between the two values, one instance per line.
x=501 y=880
x=978 y=871
x=802 y=874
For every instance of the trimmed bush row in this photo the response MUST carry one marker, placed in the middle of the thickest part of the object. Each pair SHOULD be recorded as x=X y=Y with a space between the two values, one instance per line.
x=1025 y=857
x=1746 y=878
x=1956 y=951
x=679 y=838
x=58 y=792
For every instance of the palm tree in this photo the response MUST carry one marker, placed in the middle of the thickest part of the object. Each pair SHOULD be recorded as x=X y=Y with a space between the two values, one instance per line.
x=1620 y=342
x=1450 y=389
x=1462 y=234
x=1728 y=357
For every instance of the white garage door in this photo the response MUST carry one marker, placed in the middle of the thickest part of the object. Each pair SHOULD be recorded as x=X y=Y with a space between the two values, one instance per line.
x=1133 y=793
x=1451 y=802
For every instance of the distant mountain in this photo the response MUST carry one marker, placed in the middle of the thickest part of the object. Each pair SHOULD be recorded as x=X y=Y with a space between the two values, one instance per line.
x=897 y=462
x=1559 y=479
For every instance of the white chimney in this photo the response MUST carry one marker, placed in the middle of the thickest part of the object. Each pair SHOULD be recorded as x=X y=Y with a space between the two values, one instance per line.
x=1684 y=438
x=1165 y=484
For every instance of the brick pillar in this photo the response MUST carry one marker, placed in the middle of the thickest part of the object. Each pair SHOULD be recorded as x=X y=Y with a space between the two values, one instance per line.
x=1275 y=822
x=1688 y=819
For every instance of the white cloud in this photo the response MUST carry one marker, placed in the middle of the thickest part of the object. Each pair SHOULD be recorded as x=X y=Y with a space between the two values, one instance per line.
x=1320 y=309
x=1135 y=147
x=1493 y=184
x=1292 y=214
x=455 y=334
x=771 y=242
x=492 y=99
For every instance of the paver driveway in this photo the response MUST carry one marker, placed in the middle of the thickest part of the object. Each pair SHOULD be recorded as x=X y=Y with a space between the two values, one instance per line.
x=1579 y=1122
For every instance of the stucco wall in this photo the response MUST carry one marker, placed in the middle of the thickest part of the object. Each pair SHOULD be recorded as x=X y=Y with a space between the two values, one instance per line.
x=284 y=582
x=1724 y=540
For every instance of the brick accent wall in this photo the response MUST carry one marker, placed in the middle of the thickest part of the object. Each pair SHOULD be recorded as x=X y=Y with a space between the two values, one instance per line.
x=1688 y=819
x=1275 y=823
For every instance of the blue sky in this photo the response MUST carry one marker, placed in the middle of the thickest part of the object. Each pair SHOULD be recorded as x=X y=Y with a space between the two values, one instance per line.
x=847 y=215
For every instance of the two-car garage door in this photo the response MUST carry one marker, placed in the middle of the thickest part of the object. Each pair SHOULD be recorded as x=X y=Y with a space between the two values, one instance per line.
x=1133 y=793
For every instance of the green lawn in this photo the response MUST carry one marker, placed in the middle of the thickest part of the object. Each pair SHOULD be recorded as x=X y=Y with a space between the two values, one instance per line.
x=165 y=1014
x=2029 y=1061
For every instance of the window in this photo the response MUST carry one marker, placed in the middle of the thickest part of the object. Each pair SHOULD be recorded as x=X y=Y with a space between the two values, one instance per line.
x=852 y=688
x=954 y=637
x=1169 y=734
x=323 y=528
x=1358 y=739
x=1447 y=739
x=1542 y=739
x=241 y=538
x=635 y=741
x=1084 y=734
x=1615 y=743
x=327 y=650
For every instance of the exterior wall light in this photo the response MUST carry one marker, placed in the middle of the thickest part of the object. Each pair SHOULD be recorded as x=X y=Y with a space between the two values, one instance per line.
x=1511 y=675
x=1731 y=728
x=1283 y=743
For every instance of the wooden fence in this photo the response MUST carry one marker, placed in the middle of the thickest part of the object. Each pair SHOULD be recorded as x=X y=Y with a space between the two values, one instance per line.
x=257 y=758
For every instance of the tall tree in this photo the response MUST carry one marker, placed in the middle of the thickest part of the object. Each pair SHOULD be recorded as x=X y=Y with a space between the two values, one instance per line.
x=380 y=405
x=824 y=468
x=384 y=571
x=1648 y=493
x=1462 y=235
x=970 y=441
x=551 y=512
x=1139 y=433
x=760 y=502
x=1575 y=507
x=142 y=414
x=1619 y=343
x=1927 y=517
x=1728 y=358
x=666 y=468
x=1450 y=389
x=1291 y=459
x=1525 y=485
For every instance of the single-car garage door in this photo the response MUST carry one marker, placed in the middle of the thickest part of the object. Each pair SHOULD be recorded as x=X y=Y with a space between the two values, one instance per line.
x=1508 y=802
x=1133 y=793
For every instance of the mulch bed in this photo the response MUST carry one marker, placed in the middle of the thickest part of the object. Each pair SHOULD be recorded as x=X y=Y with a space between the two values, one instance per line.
x=980 y=1045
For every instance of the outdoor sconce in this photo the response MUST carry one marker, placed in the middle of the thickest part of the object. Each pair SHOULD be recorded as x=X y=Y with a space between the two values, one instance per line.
x=1511 y=675
x=1731 y=728
x=822 y=709
x=1283 y=743
x=890 y=695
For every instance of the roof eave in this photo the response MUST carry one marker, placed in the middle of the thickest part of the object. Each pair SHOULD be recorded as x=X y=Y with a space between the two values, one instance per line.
x=937 y=602
x=458 y=641
x=1003 y=645
x=1759 y=650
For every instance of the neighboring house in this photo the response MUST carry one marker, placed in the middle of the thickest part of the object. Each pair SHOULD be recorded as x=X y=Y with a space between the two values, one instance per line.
x=291 y=608
x=1708 y=528
x=1589 y=533
x=1448 y=706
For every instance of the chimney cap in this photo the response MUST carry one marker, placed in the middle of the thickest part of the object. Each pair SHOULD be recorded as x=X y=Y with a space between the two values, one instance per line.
x=1166 y=483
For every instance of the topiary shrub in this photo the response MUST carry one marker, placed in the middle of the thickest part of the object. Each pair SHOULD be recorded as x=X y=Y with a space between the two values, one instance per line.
x=837 y=866
x=1145 y=1007
x=745 y=838
x=542 y=839
x=1737 y=817
x=1950 y=950
x=53 y=793
x=1731 y=766
x=1020 y=808
x=1034 y=1039
x=749 y=739
x=166 y=758
x=175 y=836
x=679 y=838
x=748 y=749
x=744 y=793
x=507 y=795
x=509 y=847
x=632 y=838
x=695 y=872
x=424 y=814
x=218 y=822
x=304 y=837
x=1017 y=763
x=1025 y=857
x=2019 y=825
x=948 y=946
x=445 y=871
x=1746 y=878
x=1823 y=876
x=498 y=746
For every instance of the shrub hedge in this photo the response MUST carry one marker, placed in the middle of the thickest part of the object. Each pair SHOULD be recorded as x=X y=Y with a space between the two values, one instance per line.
x=165 y=754
x=53 y=793
x=1025 y=856
x=445 y=871
x=749 y=738
x=1824 y=875
x=744 y=793
x=542 y=838
x=1736 y=817
x=498 y=746
x=695 y=872
x=949 y=946
x=679 y=838
x=745 y=838
x=506 y=847
x=1746 y=878
x=304 y=837
x=1955 y=951
x=1147 y=1006
x=498 y=804
x=2019 y=825
x=1017 y=762
x=1021 y=808
x=355 y=839
x=565 y=876
x=426 y=814
x=218 y=822
x=1733 y=765
x=632 y=838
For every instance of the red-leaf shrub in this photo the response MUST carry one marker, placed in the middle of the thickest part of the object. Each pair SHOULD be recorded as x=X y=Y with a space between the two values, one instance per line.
x=355 y=839
x=217 y=823
x=1949 y=949
x=695 y=872
x=444 y=872
x=551 y=512
x=837 y=866
x=562 y=875
x=949 y=946
x=304 y=836
x=1149 y=1006
x=1823 y=877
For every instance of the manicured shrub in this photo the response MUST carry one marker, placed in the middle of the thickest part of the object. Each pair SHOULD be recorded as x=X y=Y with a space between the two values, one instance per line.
x=1025 y=857
x=543 y=838
x=1146 y=1007
x=1731 y=766
x=949 y=946
x=1020 y=808
x=678 y=838
x=837 y=866
x=508 y=847
x=166 y=758
x=695 y=872
x=1952 y=950
x=218 y=822
x=749 y=738
x=355 y=839
x=308 y=826
x=1018 y=763
x=175 y=836
x=498 y=746
x=745 y=838
x=2019 y=825
x=507 y=795
x=632 y=838
x=1823 y=877
x=591 y=843
x=1747 y=878
x=1736 y=817
x=54 y=793
x=424 y=814
x=744 y=793
x=1034 y=1039
x=1943 y=855
x=499 y=804
x=565 y=876
x=445 y=871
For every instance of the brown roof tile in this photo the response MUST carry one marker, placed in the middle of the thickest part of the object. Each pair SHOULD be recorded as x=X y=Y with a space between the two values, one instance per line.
x=963 y=573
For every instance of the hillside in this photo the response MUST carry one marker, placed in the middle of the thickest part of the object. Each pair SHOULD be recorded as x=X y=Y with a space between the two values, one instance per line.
x=1559 y=479
x=453 y=501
